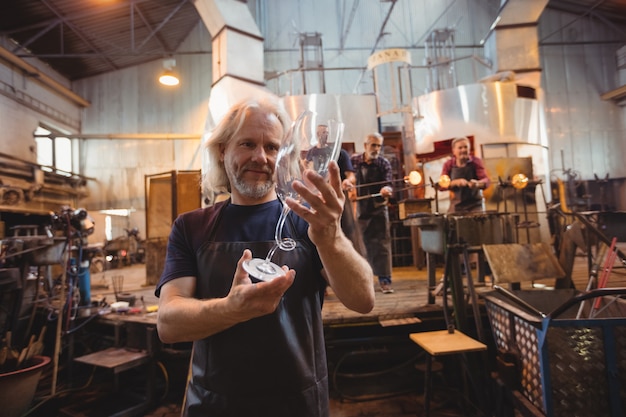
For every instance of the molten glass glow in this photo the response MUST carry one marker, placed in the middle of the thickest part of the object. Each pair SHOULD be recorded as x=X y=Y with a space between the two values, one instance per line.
x=444 y=181
x=519 y=181
x=414 y=178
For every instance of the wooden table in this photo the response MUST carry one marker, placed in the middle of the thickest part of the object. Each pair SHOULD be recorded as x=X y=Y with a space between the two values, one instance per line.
x=439 y=343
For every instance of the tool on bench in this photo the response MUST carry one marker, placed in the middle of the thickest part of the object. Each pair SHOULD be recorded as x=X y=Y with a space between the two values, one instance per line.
x=118 y=285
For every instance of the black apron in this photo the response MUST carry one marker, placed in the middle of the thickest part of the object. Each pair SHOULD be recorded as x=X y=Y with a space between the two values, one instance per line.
x=465 y=199
x=367 y=174
x=374 y=219
x=274 y=365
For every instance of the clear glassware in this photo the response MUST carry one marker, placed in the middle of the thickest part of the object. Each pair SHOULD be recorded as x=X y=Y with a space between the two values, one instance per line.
x=303 y=149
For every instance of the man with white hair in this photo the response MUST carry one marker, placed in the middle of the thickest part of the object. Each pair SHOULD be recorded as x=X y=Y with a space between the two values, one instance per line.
x=468 y=177
x=374 y=179
x=258 y=348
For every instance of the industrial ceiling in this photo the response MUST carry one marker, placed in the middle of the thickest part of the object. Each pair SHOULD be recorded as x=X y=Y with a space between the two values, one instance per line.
x=81 y=38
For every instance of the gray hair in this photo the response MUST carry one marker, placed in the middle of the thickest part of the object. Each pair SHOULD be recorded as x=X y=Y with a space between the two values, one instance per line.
x=375 y=135
x=215 y=179
x=458 y=139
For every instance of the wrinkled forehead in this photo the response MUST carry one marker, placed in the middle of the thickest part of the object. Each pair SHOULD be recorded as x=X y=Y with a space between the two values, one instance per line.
x=260 y=119
x=373 y=140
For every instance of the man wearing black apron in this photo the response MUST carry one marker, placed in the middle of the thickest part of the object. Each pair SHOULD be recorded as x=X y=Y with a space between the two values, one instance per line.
x=374 y=179
x=258 y=347
x=468 y=178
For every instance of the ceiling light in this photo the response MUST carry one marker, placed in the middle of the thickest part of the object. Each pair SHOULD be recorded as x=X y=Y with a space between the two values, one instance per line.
x=168 y=76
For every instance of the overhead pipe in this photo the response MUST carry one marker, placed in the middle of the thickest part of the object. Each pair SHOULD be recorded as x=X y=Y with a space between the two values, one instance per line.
x=43 y=78
x=136 y=136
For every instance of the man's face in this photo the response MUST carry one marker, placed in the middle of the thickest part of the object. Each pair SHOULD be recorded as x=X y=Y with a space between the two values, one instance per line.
x=372 y=148
x=322 y=136
x=250 y=155
x=461 y=149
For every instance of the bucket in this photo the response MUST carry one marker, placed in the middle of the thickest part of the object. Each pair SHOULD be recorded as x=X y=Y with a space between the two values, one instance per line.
x=17 y=388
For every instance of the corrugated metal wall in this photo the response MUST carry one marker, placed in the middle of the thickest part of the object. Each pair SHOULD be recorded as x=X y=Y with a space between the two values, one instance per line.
x=578 y=64
x=131 y=101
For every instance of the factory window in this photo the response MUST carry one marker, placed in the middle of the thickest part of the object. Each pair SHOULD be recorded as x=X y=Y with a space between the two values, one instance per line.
x=44 y=150
x=116 y=222
x=55 y=152
x=107 y=228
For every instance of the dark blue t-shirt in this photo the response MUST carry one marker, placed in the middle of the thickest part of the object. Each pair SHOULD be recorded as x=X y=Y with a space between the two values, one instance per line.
x=235 y=223
x=344 y=162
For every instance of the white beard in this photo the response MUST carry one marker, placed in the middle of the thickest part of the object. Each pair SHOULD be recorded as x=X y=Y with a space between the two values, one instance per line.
x=251 y=190
x=245 y=188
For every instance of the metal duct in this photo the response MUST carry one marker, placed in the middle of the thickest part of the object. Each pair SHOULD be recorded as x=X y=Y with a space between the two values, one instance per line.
x=237 y=47
x=233 y=31
x=512 y=43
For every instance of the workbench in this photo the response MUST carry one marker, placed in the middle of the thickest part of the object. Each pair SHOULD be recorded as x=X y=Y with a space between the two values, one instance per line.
x=135 y=345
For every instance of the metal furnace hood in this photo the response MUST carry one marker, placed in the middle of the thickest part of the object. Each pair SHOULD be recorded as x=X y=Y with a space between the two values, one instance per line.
x=492 y=112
